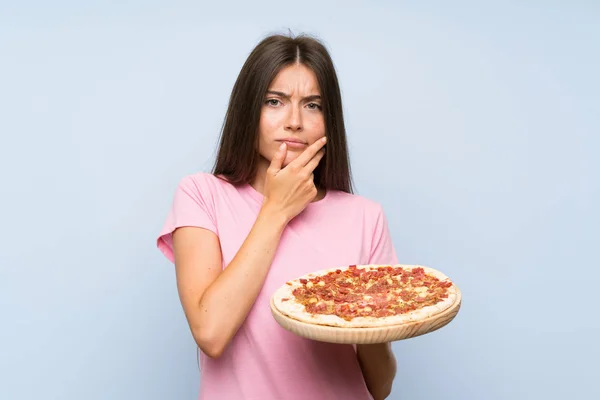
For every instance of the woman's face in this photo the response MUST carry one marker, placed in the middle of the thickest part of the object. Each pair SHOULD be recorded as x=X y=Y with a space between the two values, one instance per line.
x=291 y=113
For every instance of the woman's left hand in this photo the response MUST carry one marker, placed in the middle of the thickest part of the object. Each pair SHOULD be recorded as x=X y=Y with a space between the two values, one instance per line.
x=378 y=366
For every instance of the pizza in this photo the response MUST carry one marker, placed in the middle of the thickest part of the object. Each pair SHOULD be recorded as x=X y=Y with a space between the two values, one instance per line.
x=362 y=296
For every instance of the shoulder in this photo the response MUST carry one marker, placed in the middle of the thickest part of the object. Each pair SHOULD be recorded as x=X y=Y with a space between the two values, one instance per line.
x=202 y=184
x=201 y=179
x=370 y=212
x=355 y=202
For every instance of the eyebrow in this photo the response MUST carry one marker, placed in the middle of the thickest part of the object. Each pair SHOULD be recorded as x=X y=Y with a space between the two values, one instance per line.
x=287 y=96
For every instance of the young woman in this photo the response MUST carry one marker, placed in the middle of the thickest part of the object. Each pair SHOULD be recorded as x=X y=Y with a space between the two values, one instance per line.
x=277 y=205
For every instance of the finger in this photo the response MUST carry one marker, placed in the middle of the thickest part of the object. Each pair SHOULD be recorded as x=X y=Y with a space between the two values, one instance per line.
x=309 y=153
x=314 y=162
x=277 y=160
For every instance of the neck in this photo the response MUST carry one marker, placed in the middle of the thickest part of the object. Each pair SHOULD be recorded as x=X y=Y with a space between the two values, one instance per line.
x=261 y=173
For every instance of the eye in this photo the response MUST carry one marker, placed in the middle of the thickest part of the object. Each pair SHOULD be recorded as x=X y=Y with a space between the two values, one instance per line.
x=272 y=102
x=314 y=106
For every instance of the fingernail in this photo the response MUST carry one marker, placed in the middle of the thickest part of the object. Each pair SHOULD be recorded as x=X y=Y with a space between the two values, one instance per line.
x=282 y=146
x=323 y=139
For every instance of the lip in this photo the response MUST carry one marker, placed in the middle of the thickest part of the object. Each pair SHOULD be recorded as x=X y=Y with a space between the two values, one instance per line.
x=293 y=143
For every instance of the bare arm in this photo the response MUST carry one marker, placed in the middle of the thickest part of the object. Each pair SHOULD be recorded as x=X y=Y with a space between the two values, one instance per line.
x=215 y=301
x=378 y=366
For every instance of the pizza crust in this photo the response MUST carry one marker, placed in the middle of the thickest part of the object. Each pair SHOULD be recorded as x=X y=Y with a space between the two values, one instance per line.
x=283 y=299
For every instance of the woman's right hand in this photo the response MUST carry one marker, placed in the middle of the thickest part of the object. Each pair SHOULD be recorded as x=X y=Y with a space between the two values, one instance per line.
x=289 y=190
x=217 y=300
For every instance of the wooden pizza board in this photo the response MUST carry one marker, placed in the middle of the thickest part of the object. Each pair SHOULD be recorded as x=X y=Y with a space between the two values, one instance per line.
x=333 y=334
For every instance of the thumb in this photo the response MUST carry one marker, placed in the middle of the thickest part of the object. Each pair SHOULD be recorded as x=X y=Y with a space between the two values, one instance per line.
x=277 y=160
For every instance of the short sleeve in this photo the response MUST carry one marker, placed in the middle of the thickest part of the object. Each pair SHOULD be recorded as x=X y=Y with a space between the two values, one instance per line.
x=382 y=247
x=192 y=206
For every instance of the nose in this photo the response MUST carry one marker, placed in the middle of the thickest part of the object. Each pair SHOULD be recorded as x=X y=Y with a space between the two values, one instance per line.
x=294 y=120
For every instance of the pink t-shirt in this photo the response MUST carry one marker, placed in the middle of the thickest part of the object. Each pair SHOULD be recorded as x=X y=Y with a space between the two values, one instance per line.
x=264 y=361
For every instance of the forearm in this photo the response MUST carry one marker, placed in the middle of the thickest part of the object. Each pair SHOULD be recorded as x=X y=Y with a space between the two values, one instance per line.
x=378 y=366
x=227 y=301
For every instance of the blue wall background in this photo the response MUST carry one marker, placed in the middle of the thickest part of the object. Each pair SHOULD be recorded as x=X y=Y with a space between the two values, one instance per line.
x=474 y=123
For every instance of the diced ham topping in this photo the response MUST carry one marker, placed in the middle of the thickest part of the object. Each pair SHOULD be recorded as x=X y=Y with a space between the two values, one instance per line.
x=384 y=291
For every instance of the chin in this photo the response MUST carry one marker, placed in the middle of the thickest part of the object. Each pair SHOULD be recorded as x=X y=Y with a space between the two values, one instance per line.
x=289 y=158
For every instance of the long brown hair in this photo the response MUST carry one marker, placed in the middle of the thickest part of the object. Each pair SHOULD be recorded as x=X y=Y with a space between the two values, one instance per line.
x=237 y=156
